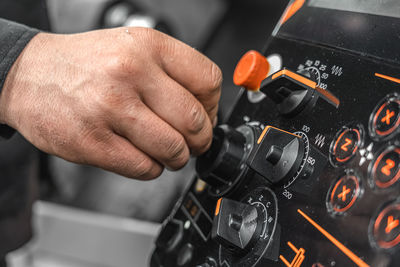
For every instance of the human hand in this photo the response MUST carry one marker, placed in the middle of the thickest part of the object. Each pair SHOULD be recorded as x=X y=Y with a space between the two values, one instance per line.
x=128 y=100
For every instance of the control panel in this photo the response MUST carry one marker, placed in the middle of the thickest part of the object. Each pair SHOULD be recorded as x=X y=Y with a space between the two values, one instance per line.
x=306 y=170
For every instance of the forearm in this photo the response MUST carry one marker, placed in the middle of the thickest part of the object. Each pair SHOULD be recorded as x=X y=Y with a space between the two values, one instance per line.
x=13 y=39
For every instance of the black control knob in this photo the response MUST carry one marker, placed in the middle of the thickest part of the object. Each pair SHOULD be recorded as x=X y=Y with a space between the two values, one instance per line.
x=279 y=155
x=292 y=92
x=236 y=225
x=224 y=160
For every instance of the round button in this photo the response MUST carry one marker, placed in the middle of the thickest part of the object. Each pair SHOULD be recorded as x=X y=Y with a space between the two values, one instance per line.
x=346 y=144
x=344 y=194
x=385 y=170
x=251 y=70
x=385 y=119
x=386 y=230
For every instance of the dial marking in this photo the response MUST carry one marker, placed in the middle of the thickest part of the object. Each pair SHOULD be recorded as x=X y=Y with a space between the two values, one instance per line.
x=304 y=137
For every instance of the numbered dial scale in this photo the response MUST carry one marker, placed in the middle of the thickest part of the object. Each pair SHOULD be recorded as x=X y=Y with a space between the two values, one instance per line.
x=319 y=184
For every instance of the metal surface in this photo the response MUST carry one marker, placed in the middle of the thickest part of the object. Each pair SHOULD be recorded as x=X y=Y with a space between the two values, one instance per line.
x=71 y=237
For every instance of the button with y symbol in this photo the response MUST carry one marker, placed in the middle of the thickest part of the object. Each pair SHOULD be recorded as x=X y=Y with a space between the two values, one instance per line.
x=386 y=228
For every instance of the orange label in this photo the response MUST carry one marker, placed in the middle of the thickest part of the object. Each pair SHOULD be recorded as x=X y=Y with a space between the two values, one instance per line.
x=344 y=193
x=386 y=170
x=298 y=259
x=345 y=146
x=388 y=117
x=391 y=224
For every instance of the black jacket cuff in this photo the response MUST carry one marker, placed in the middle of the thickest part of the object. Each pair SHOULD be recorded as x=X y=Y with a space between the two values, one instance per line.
x=13 y=39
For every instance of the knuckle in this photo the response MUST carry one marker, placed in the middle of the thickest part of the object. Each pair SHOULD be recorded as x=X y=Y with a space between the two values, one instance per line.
x=114 y=164
x=123 y=65
x=130 y=107
x=119 y=104
x=99 y=134
x=143 y=168
x=197 y=119
x=203 y=143
x=152 y=39
x=120 y=63
x=215 y=78
x=93 y=133
x=176 y=153
x=212 y=110
x=203 y=148
x=146 y=33
x=154 y=173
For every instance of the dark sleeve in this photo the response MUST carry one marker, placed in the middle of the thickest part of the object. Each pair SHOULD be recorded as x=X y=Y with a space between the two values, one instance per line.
x=13 y=39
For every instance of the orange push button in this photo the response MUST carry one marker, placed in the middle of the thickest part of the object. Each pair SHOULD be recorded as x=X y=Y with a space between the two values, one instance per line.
x=386 y=117
x=251 y=70
x=346 y=144
x=387 y=226
x=385 y=170
x=344 y=193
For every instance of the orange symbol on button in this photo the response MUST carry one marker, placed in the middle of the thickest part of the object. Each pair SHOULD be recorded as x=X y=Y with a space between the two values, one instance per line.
x=388 y=116
x=344 y=193
x=344 y=147
x=386 y=170
x=391 y=224
x=298 y=259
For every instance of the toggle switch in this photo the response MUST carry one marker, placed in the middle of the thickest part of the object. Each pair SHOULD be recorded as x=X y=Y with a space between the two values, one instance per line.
x=292 y=92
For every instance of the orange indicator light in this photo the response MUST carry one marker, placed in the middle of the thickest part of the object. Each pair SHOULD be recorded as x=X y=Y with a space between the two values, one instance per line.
x=334 y=241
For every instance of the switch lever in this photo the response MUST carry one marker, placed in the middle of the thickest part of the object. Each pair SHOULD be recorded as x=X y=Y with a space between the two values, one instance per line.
x=291 y=92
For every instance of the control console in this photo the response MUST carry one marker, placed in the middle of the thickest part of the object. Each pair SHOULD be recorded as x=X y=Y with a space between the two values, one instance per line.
x=306 y=170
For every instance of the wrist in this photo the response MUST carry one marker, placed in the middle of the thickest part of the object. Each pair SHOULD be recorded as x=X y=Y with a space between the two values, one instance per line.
x=19 y=80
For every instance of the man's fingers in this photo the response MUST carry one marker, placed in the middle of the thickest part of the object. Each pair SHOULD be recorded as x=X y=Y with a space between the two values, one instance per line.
x=149 y=133
x=193 y=71
x=116 y=154
x=179 y=108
